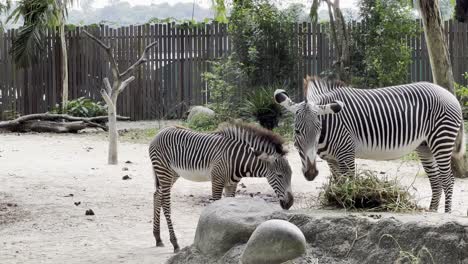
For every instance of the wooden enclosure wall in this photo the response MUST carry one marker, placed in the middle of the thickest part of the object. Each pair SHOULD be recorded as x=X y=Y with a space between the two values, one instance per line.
x=171 y=79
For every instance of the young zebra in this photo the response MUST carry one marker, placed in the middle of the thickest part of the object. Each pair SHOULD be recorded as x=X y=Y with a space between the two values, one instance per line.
x=222 y=157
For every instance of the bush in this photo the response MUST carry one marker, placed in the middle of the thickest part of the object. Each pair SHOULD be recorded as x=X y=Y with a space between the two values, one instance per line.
x=461 y=92
x=263 y=40
x=380 y=54
x=367 y=191
x=225 y=83
x=261 y=105
x=82 y=107
x=286 y=127
x=203 y=123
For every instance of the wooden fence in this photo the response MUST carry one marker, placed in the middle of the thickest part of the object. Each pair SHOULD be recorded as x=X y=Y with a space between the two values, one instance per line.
x=171 y=79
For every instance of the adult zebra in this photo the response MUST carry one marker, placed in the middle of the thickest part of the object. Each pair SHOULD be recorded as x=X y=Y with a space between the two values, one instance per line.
x=340 y=124
x=222 y=157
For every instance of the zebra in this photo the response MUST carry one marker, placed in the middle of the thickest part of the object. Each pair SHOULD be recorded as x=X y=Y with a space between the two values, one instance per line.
x=340 y=123
x=223 y=157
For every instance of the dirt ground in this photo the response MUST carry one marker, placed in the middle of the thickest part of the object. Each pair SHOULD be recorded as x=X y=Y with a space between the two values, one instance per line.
x=47 y=182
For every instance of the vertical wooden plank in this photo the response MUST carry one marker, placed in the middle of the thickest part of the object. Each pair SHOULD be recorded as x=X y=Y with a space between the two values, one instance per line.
x=158 y=76
x=173 y=71
x=166 y=64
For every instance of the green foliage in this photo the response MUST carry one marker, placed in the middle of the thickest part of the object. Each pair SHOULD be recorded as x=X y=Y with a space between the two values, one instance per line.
x=203 y=122
x=180 y=23
x=4 y=8
x=314 y=11
x=263 y=41
x=226 y=82
x=83 y=107
x=286 y=127
x=380 y=54
x=261 y=105
x=367 y=191
x=220 y=11
x=461 y=92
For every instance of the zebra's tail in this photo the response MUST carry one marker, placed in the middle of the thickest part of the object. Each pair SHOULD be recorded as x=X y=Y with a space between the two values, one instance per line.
x=459 y=151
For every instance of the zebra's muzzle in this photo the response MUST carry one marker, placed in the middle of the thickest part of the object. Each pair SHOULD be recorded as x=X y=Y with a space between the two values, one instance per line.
x=288 y=201
x=311 y=171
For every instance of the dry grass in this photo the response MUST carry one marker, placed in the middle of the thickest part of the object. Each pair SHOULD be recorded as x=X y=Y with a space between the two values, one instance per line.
x=367 y=191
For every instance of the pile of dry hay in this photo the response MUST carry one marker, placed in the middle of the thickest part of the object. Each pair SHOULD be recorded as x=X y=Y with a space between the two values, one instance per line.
x=369 y=192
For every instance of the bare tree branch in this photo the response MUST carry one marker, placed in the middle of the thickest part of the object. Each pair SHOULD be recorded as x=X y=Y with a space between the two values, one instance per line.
x=106 y=98
x=110 y=54
x=107 y=85
x=123 y=85
x=140 y=61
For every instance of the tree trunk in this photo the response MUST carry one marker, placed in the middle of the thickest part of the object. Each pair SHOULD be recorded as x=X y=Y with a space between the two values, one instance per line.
x=64 y=64
x=440 y=64
x=113 y=134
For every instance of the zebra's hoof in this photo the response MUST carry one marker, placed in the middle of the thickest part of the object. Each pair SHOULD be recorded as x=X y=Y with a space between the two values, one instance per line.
x=159 y=244
x=176 y=250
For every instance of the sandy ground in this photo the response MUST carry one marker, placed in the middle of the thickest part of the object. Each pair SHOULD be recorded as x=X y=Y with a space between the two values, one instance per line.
x=47 y=182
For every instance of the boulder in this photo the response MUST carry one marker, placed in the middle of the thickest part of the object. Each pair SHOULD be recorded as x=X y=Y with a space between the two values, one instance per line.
x=274 y=241
x=199 y=110
x=228 y=222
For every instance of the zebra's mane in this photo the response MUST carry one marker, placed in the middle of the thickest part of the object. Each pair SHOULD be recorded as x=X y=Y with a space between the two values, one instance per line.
x=258 y=138
x=314 y=87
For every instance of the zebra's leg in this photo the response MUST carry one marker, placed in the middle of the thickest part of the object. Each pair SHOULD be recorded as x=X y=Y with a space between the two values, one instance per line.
x=346 y=165
x=443 y=159
x=441 y=144
x=230 y=190
x=217 y=186
x=166 y=205
x=334 y=170
x=157 y=218
x=432 y=171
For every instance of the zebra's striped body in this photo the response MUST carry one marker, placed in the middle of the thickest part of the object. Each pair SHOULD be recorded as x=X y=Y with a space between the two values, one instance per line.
x=222 y=157
x=340 y=124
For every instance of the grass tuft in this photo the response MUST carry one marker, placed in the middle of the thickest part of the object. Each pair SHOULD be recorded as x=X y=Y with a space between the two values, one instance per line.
x=366 y=191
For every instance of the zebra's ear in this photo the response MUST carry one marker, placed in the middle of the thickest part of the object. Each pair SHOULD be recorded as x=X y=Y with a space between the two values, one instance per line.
x=331 y=108
x=282 y=98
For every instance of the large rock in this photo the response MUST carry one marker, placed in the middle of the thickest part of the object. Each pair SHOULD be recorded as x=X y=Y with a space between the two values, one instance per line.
x=228 y=222
x=274 y=241
x=199 y=110
x=348 y=238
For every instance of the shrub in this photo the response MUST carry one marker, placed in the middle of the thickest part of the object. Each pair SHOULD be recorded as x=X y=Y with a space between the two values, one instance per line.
x=225 y=82
x=380 y=54
x=261 y=105
x=367 y=191
x=203 y=122
x=461 y=92
x=82 y=107
x=286 y=128
x=264 y=40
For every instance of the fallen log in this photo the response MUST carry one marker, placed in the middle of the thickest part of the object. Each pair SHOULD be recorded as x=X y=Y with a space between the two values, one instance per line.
x=55 y=123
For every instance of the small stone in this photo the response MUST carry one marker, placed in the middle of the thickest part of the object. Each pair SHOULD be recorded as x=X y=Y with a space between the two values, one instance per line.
x=124 y=169
x=69 y=195
x=274 y=242
x=126 y=177
x=89 y=212
x=128 y=162
x=77 y=203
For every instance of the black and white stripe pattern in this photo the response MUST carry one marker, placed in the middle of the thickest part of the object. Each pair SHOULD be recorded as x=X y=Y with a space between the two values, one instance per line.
x=340 y=124
x=224 y=157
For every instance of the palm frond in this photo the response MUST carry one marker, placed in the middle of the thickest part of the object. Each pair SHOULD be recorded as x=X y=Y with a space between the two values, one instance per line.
x=28 y=44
